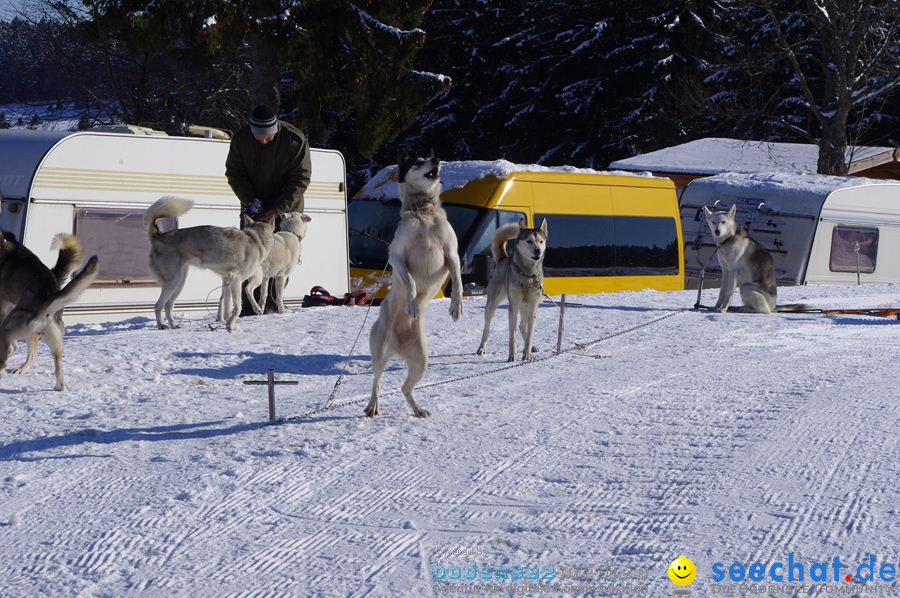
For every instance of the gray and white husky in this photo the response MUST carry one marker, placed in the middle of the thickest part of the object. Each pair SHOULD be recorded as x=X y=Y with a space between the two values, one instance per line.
x=520 y=278
x=233 y=254
x=422 y=254
x=745 y=264
x=32 y=298
x=279 y=264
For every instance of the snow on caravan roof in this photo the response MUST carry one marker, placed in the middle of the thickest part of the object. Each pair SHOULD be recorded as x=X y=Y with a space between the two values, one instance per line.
x=20 y=153
x=801 y=191
x=716 y=155
x=458 y=174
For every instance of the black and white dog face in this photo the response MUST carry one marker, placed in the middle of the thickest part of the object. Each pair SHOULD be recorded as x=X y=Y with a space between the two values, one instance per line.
x=531 y=243
x=721 y=224
x=420 y=175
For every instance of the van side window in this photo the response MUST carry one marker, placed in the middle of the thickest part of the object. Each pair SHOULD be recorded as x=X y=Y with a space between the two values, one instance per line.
x=844 y=240
x=119 y=239
x=610 y=245
x=496 y=219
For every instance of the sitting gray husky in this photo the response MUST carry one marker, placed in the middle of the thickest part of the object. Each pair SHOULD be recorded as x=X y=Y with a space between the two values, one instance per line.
x=233 y=254
x=745 y=264
x=520 y=278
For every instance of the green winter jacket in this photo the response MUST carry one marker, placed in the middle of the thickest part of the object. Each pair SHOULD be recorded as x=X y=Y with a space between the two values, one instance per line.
x=277 y=173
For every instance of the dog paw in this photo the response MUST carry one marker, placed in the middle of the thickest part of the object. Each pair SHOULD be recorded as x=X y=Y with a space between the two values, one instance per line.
x=371 y=411
x=419 y=412
x=481 y=351
x=59 y=387
x=527 y=357
x=21 y=370
x=511 y=358
x=412 y=309
x=456 y=309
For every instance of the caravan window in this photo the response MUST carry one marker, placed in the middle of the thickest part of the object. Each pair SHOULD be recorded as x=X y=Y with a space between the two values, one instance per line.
x=844 y=240
x=119 y=239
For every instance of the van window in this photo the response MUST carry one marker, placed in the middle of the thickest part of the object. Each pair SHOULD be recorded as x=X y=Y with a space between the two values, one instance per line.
x=118 y=238
x=844 y=240
x=495 y=219
x=610 y=245
x=372 y=225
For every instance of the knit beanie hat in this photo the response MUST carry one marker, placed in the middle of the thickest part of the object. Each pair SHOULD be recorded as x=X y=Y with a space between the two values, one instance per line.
x=263 y=121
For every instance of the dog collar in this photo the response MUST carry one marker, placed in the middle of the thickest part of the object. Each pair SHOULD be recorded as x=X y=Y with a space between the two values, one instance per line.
x=533 y=278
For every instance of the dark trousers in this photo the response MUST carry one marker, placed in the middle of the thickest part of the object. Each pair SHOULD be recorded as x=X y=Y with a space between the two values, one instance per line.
x=270 y=306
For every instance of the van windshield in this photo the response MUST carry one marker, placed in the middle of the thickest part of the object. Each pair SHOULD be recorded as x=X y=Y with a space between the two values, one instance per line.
x=372 y=225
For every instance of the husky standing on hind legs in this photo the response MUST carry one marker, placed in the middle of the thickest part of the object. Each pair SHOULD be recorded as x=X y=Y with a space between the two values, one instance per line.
x=520 y=278
x=423 y=252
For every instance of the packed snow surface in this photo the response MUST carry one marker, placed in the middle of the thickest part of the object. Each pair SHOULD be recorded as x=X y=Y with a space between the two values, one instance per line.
x=721 y=437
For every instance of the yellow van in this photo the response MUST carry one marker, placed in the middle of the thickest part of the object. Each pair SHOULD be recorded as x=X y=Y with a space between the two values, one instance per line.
x=607 y=232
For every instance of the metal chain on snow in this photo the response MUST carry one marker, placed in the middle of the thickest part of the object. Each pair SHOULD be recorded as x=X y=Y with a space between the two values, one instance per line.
x=330 y=406
x=340 y=379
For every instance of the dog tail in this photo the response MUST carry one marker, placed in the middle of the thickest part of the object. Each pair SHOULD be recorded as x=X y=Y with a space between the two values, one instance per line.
x=74 y=289
x=505 y=233
x=788 y=307
x=69 y=255
x=165 y=207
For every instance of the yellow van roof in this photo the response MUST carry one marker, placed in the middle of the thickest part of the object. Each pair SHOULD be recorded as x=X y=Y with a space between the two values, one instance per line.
x=457 y=174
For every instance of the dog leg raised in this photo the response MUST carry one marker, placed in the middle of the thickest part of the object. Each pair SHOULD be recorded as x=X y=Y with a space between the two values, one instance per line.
x=401 y=273
x=451 y=259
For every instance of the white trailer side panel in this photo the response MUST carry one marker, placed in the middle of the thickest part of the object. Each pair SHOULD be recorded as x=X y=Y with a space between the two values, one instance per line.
x=868 y=208
x=104 y=172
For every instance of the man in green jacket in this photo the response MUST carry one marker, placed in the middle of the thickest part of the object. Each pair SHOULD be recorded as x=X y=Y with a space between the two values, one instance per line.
x=268 y=160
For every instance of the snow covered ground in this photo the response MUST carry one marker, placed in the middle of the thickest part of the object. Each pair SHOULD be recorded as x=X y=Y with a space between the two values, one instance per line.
x=720 y=437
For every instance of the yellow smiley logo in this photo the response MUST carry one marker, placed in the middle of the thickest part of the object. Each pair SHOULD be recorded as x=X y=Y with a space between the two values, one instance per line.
x=682 y=571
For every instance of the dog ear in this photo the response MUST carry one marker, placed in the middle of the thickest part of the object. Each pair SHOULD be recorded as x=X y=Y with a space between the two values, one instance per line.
x=732 y=210
x=522 y=223
x=404 y=161
x=246 y=220
x=304 y=217
x=544 y=227
x=707 y=211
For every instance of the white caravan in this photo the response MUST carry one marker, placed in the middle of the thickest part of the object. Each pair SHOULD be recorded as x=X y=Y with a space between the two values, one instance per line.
x=98 y=185
x=819 y=229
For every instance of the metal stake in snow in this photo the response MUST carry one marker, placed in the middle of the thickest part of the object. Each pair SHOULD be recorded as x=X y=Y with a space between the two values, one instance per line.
x=271 y=382
x=856 y=249
x=562 y=313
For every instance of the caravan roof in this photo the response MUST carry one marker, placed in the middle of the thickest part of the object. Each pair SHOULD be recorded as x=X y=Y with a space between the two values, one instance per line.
x=795 y=192
x=21 y=151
